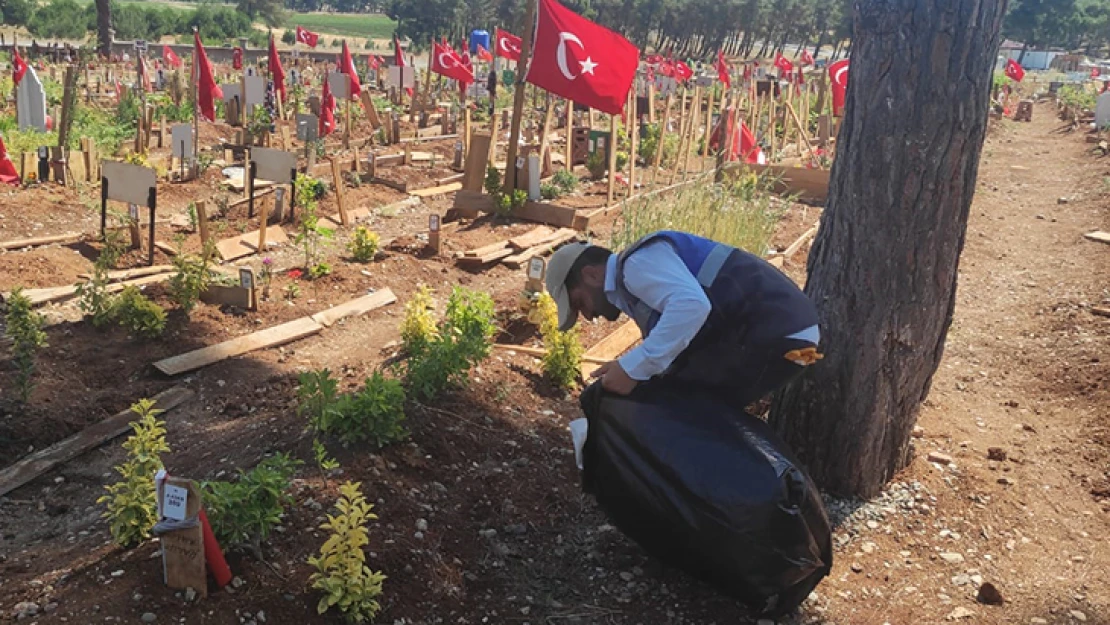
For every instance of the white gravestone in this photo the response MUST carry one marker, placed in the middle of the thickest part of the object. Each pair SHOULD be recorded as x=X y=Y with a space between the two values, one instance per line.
x=340 y=85
x=273 y=165
x=1102 y=111
x=255 y=92
x=30 y=101
x=182 y=137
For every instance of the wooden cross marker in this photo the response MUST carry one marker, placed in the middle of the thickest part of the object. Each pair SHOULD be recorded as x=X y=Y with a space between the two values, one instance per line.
x=202 y=220
x=339 y=191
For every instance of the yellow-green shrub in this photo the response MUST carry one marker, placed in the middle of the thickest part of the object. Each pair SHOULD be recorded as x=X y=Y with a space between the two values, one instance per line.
x=132 y=504
x=562 y=359
x=341 y=571
x=419 y=326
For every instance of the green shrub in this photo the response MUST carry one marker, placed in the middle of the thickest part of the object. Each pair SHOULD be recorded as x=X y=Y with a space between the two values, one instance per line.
x=650 y=143
x=464 y=340
x=242 y=513
x=596 y=164
x=492 y=183
x=341 y=571
x=192 y=278
x=363 y=245
x=138 y=314
x=24 y=327
x=562 y=359
x=565 y=180
x=375 y=413
x=289 y=36
x=550 y=191
x=93 y=298
x=132 y=503
x=317 y=392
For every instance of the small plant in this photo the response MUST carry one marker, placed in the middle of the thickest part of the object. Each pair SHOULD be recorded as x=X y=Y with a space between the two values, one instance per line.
x=93 y=297
x=565 y=180
x=24 y=327
x=317 y=392
x=341 y=571
x=323 y=460
x=518 y=198
x=363 y=245
x=596 y=164
x=132 y=503
x=550 y=191
x=243 y=513
x=192 y=278
x=311 y=232
x=562 y=360
x=419 y=326
x=375 y=413
x=319 y=270
x=464 y=340
x=191 y=213
x=503 y=204
x=139 y=315
x=292 y=292
x=266 y=275
x=492 y=182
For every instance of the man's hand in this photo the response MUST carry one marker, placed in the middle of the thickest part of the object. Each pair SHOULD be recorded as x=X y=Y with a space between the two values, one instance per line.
x=614 y=379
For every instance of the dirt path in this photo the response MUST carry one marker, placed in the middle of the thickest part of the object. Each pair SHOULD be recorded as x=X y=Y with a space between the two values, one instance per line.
x=1024 y=372
x=510 y=538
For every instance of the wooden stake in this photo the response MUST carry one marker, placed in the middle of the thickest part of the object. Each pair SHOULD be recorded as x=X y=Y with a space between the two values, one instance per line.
x=545 y=144
x=695 y=125
x=772 y=125
x=662 y=133
x=202 y=221
x=612 y=158
x=518 y=104
x=801 y=130
x=651 y=101
x=568 y=164
x=633 y=134
x=433 y=233
x=340 y=190
x=683 y=129
x=708 y=126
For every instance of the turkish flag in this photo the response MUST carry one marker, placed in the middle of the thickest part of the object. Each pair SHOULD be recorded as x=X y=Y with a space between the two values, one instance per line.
x=372 y=62
x=347 y=66
x=784 y=64
x=237 y=58
x=1014 y=71
x=807 y=58
x=507 y=45
x=19 y=66
x=398 y=55
x=276 y=70
x=682 y=71
x=580 y=60
x=484 y=55
x=1095 y=72
x=207 y=89
x=171 y=59
x=666 y=68
x=307 y=37
x=327 y=110
x=722 y=69
x=447 y=62
x=838 y=72
x=743 y=145
x=8 y=173
x=653 y=59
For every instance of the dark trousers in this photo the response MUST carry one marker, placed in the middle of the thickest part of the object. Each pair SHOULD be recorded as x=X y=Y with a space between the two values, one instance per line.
x=738 y=373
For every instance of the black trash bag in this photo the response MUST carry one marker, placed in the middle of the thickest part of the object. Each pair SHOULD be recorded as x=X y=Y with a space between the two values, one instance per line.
x=708 y=489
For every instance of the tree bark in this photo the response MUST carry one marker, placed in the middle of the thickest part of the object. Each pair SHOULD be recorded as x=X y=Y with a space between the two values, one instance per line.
x=883 y=268
x=104 y=28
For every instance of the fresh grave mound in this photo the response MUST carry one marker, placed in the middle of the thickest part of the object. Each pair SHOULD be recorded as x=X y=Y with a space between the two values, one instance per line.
x=709 y=489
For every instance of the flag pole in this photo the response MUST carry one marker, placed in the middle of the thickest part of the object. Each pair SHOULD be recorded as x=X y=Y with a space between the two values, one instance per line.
x=196 y=106
x=518 y=100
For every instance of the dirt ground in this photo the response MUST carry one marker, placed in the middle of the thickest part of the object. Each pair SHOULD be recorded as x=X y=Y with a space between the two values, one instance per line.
x=490 y=470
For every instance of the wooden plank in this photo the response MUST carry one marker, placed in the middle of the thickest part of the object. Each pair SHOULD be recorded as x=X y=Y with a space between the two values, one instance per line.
x=776 y=261
x=469 y=204
x=447 y=188
x=165 y=248
x=450 y=179
x=611 y=347
x=550 y=214
x=62 y=293
x=243 y=200
x=355 y=307
x=477 y=155
x=15 y=244
x=270 y=337
x=127 y=274
x=247 y=244
x=809 y=184
x=486 y=249
x=93 y=436
x=486 y=258
x=1099 y=236
x=220 y=295
x=340 y=190
x=535 y=236
x=389 y=160
x=537 y=351
x=797 y=245
x=564 y=235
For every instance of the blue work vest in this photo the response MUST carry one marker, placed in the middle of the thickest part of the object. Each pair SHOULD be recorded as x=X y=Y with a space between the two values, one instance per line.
x=751 y=300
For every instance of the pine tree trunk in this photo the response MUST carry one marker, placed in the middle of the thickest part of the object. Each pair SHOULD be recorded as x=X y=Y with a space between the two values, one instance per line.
x=104 y=28
x=883 y=268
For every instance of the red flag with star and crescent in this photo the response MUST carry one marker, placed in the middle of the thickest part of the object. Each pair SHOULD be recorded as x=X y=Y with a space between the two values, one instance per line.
x=276 y=70
x=347 y=66
x=172 y=60
x=327 y=110
x=580 y=60
x=784 y=64
x=1014 y=71
x=838 y=72
x=19 y=66
x=207 y=89
x=484 y=55
x=507 y=45
x=307 y=37
x=682 y=71
x=8 y=173
x=446 y=62
x=807 y=58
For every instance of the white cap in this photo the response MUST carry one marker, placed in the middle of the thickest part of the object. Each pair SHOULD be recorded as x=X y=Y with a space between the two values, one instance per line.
x=557 y=269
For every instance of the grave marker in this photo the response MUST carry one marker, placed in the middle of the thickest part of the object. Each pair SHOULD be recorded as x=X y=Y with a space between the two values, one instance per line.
x=124 y=182
x=181 y=144
x=183 y=563
x=340 y=86
x=254 y=88
x=433 y=232
x=1102 y=111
